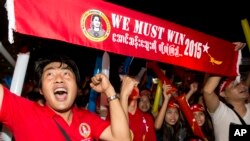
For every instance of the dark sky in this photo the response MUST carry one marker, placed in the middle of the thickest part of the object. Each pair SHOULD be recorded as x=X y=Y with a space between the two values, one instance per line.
x=220 y=19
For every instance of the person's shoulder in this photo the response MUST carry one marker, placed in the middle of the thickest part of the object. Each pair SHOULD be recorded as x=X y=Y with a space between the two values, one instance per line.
x=6 y=91
x=90 y=30
x=3 y=88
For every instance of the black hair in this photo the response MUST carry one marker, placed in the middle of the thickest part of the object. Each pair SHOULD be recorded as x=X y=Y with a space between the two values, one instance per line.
x=96 y=15
x=41 y=63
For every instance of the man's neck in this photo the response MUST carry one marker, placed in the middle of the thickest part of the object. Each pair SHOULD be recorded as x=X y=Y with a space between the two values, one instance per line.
x=240 y=108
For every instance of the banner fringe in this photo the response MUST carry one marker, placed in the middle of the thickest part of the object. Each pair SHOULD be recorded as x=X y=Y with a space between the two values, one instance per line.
x=239 y=62
x=9 y=5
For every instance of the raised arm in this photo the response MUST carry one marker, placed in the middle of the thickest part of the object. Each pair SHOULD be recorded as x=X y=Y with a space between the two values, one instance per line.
x=211 y=99
x=192 y=90
x=160 y=117
x=128 y=84
x=119 y=128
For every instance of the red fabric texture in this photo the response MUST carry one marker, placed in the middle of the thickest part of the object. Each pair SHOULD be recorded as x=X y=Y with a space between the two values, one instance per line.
x=172 y=104
x=142 y=131
x=197 y=108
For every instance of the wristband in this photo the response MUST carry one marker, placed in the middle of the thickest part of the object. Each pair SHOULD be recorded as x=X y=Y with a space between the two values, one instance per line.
x=113 y=97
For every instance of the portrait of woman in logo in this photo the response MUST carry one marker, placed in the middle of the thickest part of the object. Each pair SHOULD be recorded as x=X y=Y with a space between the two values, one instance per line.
x=96 y=30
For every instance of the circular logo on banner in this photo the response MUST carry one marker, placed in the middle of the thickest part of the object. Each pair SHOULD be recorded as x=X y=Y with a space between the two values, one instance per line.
x=95 y=25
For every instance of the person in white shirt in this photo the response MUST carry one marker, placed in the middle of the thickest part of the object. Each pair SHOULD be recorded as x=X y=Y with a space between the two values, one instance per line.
x=233 y=94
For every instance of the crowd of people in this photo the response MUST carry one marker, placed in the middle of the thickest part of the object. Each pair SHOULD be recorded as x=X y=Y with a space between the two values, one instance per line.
x=57 y=107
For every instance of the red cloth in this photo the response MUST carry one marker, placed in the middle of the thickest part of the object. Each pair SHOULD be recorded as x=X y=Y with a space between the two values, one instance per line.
x=161 y=76
x=127 y=32
x=172 y=104
x=30 y=122
x=197 y=108
x=142 y=131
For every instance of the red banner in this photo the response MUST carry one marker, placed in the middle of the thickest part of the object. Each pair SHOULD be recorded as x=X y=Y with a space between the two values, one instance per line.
x=123 y=31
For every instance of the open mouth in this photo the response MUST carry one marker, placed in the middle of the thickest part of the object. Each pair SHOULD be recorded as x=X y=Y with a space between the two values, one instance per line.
x=60 y=94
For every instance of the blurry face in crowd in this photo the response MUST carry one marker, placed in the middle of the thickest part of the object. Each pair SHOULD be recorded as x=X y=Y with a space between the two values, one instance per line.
x=59 y=86
x=144 y=103
x=236 y=92
x=199 y=117
x=172 y=116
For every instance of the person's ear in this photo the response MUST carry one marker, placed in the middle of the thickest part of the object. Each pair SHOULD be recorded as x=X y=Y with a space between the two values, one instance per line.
x=40 y=91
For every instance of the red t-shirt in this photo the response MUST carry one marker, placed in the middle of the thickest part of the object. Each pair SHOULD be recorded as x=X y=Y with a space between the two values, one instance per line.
x=28 y=121
x=142 y=126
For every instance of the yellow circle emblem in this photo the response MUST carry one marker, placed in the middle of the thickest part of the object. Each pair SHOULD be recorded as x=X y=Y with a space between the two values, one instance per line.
x=95 y=25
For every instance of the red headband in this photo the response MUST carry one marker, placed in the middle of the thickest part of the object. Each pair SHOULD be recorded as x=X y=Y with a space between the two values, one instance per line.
x=197 y=108
x=172 y=104
x=145 y=92
x=224 y=84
